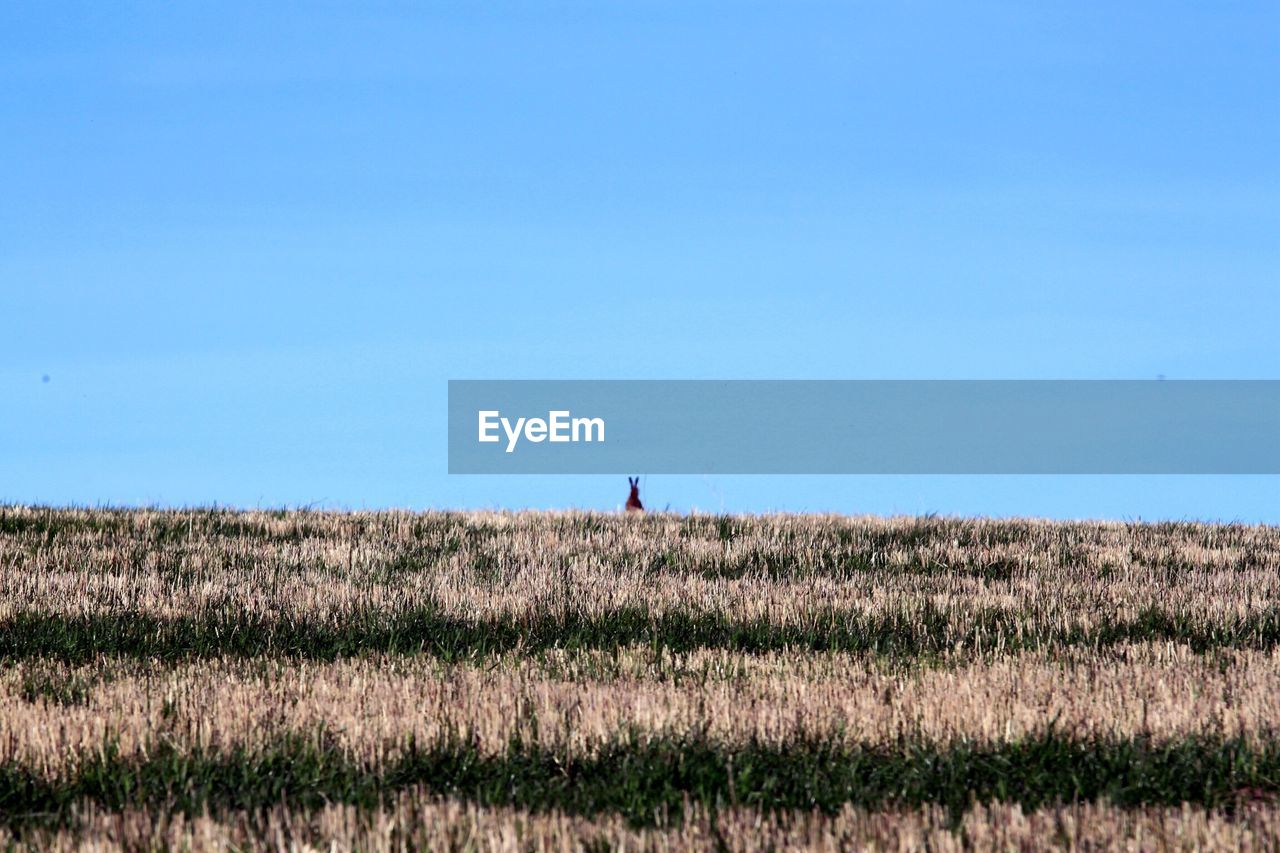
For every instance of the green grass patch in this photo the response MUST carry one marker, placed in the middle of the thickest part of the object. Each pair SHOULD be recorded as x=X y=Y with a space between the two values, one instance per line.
x=643 y=780
x=51 y=684
x=926 y=631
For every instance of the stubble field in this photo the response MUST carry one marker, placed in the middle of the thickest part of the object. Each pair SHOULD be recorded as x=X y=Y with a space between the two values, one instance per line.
x=548 y=681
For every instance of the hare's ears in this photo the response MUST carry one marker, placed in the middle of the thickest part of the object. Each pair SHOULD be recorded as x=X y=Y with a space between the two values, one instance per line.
x=633 y=481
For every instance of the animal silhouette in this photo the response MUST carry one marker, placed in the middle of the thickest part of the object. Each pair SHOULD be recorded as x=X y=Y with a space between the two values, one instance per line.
x=633 y=500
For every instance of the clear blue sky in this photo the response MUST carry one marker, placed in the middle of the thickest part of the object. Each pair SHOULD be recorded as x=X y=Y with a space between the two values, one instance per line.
x=249 y=243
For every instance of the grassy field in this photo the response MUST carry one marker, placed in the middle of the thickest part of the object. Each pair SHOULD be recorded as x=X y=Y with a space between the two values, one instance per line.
x=530 y=681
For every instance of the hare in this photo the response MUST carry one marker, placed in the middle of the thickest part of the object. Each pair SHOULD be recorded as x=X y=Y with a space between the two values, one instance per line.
x=633 y=500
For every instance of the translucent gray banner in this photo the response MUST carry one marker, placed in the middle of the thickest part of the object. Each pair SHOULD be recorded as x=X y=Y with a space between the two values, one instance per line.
x=864 y=427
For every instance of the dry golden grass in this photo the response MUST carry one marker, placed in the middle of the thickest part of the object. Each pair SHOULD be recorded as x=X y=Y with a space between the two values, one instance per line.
x=416 y=821
x=329 y=566
x=579 y=702
x=978 y=681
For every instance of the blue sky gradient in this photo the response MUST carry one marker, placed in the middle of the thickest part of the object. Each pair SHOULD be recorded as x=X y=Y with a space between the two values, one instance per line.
x=249 y=243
